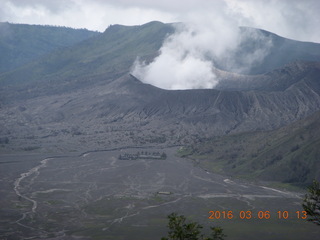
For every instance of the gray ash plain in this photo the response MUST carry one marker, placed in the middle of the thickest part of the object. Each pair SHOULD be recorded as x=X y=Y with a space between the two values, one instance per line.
x=97 y=196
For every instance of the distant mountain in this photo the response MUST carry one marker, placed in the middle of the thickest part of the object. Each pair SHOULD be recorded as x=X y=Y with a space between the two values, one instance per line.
x=107 y=56
x=127 y=112
x=111 y=54
x=270 y=51
x=289 y=154
x=22 y=43
x=83 y=97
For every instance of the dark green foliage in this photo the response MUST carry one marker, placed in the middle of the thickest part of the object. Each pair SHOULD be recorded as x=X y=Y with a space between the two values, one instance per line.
x=179 y=229
x=217 y=234
x=311 y=203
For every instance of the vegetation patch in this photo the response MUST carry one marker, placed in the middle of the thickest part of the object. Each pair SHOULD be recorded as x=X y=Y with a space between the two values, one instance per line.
x=289 y=155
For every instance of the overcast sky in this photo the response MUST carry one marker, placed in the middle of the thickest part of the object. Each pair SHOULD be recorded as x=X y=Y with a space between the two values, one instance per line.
x=296 y=19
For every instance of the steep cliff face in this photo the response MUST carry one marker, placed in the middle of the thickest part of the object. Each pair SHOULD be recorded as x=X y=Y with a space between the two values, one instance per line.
x=276 y=80
x=277 y=99
x=84 y=97
x=112 y=111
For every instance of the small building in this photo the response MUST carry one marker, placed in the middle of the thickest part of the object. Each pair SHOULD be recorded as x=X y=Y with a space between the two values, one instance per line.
x=164 y=193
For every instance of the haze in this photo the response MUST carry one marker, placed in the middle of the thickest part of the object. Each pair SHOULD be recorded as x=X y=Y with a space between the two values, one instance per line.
x=210 y=32
x=289 y=18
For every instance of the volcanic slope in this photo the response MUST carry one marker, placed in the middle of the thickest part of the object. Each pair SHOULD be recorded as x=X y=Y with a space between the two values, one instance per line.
x=126 y=111
x=102 y=58
x=84 y=97
x=110 y=55
x=289 y=154
x=269 y=50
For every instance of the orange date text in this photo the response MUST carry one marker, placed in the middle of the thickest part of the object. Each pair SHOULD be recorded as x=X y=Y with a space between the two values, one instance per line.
x=257 y=215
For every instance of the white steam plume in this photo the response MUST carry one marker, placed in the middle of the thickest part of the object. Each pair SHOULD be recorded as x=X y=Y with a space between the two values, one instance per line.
x=188 y=57
x=181 y=63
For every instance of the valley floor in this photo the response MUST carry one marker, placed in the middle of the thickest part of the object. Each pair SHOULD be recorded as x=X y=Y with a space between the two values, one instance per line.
x=97 y=196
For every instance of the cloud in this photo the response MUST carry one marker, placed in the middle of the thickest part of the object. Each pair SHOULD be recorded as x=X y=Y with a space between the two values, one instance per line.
x=189 y=57
x=249 y=50
x=183 y=62
x=175 y=68
x=294 y=19
x=56 y=6
x=209 y=38
x=94 y=15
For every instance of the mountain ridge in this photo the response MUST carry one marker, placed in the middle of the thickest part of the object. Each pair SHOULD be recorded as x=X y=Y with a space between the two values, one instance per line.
x=23 y=43
x=83 y=97
x=113 y=53
x=179 y=115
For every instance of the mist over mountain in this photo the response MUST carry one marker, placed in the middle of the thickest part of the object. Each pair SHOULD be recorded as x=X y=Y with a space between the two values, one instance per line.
x=104 y=57
x=102 y=89
x=192 y=55
x=114 y=53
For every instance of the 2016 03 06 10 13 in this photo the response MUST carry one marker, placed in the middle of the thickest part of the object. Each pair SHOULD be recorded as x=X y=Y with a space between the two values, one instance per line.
x=249 y=214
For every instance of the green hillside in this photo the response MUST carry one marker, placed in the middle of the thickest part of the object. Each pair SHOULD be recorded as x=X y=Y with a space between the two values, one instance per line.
x=108 y=55
x=290 y=154
x=22 y=43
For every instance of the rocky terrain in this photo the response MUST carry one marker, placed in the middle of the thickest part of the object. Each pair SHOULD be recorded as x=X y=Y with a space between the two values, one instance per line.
x=96 y=196
x=68 y=112
x=126 y=112
x=83 y=97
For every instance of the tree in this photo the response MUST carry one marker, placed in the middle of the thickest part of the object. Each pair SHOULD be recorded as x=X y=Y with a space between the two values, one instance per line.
x=180 y=230
x=311 y=203
x=217 y=234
